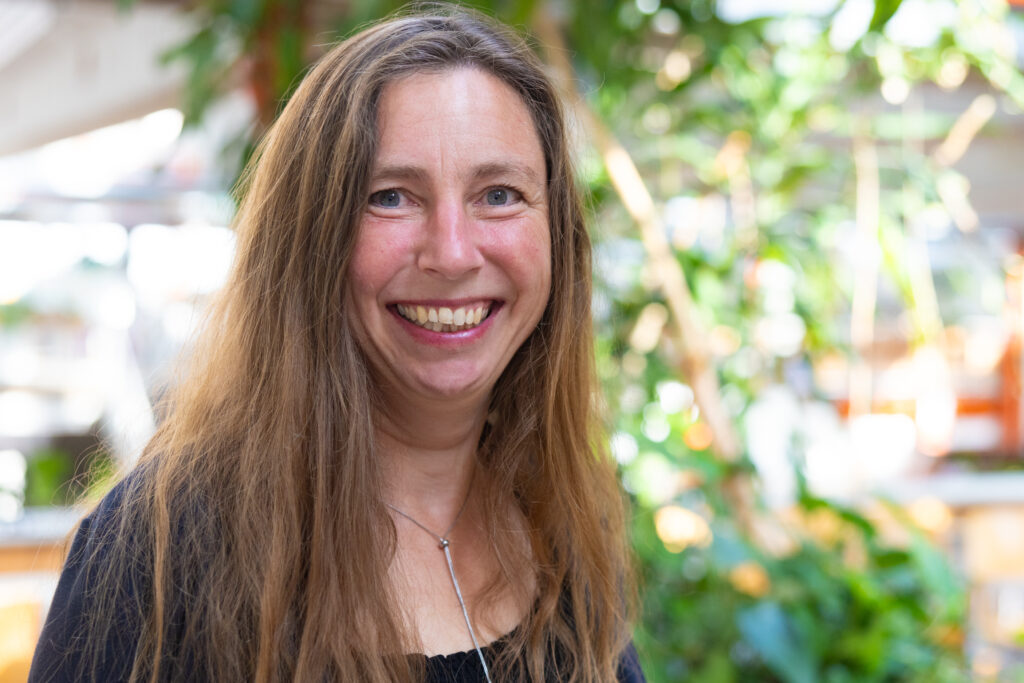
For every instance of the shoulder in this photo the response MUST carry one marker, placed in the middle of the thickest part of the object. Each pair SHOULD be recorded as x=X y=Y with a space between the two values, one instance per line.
x=629 y=667
x=85 y=579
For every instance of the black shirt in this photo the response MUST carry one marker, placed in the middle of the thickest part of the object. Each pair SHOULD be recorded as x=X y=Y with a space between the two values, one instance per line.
x=55 y=659
x=464 y=667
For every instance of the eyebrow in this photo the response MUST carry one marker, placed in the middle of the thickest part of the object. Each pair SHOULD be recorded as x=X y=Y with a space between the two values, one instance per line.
x=481 y=172
x=499 y=168
x=398 y=172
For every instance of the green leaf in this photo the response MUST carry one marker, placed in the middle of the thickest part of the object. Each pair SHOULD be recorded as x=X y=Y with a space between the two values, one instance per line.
x=884 y=10
x=769 y=630
x=717 y=669
x=47 y=474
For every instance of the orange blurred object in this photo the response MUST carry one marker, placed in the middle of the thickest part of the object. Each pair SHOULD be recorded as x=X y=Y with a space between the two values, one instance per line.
x=750 y=578
x=698 y=436
x=19 y=628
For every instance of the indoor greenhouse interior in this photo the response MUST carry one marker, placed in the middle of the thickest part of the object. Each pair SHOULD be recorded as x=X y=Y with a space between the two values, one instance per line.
x=808 y=229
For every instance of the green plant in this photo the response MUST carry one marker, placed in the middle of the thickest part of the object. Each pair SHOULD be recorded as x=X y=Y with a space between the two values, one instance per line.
x=50 y=477
x=47 y=474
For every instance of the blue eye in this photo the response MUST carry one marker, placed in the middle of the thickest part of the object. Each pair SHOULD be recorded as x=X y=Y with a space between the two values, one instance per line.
x=388 y=199
x=499 y=196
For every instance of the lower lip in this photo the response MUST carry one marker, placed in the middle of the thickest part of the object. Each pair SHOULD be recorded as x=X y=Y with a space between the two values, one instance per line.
x=448 y=340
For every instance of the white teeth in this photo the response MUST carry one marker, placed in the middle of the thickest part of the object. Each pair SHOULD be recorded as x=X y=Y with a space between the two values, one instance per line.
x=444 y=319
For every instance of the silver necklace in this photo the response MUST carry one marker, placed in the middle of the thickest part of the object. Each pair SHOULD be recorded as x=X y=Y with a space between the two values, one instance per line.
x=443 y=544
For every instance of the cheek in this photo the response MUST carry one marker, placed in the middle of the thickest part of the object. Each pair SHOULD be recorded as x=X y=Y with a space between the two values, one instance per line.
x=527 y=258
x=375 y=260
x=535 y=254
x=371 y=268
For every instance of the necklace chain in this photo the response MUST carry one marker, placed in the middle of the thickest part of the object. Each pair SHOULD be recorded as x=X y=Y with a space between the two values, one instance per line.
x=442 y=538
x=443 y=544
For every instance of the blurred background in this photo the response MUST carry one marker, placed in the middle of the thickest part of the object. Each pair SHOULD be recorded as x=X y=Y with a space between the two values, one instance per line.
x=809 y=228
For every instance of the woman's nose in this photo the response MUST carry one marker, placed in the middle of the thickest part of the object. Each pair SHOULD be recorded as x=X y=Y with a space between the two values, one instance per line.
x=450 y=247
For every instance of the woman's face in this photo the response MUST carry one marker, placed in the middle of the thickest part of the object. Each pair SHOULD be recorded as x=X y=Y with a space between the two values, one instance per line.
x=452 y=266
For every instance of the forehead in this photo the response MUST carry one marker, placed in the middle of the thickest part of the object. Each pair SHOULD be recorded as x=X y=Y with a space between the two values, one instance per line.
x=442 y=121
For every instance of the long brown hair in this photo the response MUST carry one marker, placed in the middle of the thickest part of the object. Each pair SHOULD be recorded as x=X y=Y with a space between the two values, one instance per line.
x=255 y=514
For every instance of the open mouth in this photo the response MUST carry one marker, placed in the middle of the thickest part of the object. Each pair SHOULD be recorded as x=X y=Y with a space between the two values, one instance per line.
x=444 y=318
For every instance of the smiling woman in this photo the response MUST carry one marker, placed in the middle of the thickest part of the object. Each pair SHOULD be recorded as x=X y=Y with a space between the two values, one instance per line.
x=381 y=465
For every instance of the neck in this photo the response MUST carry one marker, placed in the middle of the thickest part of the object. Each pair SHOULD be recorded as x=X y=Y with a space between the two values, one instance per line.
x=428 y=453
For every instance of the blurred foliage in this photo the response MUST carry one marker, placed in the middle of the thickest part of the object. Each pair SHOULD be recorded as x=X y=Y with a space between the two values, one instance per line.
x=12 y=315
x=746 y=135
x=47 y=474
x=839 y=603
x=51 y=478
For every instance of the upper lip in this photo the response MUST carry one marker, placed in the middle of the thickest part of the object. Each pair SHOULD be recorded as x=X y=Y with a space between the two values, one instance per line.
x=449 y=303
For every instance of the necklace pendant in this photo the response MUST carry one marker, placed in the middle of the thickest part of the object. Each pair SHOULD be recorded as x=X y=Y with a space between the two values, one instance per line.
x=443 y=544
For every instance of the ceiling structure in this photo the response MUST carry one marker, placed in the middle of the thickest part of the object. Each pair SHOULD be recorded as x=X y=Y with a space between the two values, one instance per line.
x=71 y=66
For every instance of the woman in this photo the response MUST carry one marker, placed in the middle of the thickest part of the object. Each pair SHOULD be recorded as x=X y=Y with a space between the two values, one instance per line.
x=381 y=465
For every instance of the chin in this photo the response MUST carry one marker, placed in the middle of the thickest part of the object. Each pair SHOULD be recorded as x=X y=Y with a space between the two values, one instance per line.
x=455 y=388
x=451 y=391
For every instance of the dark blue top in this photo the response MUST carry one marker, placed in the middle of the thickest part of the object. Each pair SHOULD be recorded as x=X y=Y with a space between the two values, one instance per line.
x=57 y=657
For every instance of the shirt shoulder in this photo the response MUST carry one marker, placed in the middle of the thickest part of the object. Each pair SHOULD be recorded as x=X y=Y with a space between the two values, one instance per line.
x=629 y=667
x=59 y=651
